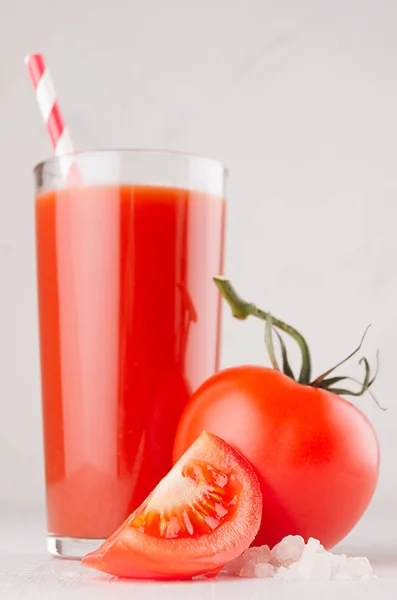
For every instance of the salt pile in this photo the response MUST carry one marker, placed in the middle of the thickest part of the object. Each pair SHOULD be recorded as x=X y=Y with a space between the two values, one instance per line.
x=293 y=560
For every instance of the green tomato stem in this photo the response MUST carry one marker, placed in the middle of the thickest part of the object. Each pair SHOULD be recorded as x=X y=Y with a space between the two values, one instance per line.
x=242 y=309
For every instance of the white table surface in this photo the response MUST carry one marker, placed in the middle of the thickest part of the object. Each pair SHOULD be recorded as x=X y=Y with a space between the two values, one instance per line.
x=27 y=572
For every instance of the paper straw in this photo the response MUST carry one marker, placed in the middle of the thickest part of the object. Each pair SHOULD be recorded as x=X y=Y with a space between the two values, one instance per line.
x=48 y=103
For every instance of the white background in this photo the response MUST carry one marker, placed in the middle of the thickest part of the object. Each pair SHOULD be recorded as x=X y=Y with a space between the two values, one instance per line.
x=299 y=99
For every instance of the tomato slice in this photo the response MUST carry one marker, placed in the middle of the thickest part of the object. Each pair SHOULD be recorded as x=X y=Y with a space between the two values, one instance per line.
x=203 y=514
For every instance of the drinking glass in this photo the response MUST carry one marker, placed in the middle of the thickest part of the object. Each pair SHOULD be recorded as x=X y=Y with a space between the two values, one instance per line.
x=129 y=325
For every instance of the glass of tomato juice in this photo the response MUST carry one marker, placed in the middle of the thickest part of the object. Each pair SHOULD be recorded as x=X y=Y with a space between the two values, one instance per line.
x=129 y=325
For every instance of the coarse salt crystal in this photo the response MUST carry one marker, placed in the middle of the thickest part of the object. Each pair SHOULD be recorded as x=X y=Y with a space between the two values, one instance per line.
x=258 y=555
x=263 y=570
x=293 y=560
x=247 y=570
x=288 y=551
x=357 y=567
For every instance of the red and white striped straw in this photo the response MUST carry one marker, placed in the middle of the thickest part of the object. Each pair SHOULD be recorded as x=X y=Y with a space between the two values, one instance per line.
x=50 y=110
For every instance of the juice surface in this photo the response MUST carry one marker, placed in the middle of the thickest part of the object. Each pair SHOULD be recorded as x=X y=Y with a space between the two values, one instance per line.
x=129 y=327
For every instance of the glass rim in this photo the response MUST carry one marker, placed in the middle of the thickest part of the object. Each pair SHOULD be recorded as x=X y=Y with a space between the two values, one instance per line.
x=149 y=151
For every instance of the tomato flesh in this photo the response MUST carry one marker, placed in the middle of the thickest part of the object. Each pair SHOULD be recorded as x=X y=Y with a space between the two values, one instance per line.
x=209 y=498
x=204 y=513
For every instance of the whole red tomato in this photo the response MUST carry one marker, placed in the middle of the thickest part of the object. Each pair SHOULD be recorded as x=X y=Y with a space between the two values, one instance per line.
x=316 y=455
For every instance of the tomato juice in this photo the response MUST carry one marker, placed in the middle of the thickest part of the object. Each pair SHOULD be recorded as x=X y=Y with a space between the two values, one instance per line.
x=129 y=327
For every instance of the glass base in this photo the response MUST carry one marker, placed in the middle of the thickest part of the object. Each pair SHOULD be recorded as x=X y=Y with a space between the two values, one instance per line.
x=72 y=548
